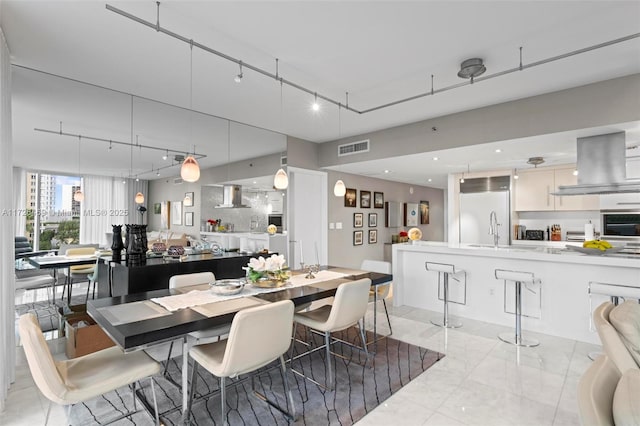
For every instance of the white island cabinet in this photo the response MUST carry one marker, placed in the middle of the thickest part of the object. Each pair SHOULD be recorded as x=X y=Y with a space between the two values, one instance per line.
x=248 y=241
x=561 y=302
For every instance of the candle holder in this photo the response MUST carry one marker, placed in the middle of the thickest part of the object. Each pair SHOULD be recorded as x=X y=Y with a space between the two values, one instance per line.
x=311 y=269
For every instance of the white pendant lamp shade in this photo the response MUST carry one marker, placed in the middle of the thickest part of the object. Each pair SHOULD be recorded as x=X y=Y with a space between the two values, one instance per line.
x=190 y=170
x=139 y=198
x=339 y=189
x=280 y=180
x=78 y=196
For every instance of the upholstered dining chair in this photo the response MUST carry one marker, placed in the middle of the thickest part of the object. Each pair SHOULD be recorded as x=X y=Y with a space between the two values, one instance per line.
x=80 y=272
x=201 y=336
x=614 y=347
x=383 y=289
x=348 y=308
x=258 y=336
x=81 y=379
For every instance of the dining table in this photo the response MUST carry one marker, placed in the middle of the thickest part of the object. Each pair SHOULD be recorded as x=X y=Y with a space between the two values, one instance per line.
x=143 y=320
x=54 y=263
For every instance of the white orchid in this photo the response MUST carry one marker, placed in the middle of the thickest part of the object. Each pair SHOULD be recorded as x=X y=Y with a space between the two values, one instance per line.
x=258 y=264
x=273 y=267
x=274 y=263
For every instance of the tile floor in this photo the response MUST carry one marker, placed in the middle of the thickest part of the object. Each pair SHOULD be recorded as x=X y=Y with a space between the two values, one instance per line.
x=481 y=381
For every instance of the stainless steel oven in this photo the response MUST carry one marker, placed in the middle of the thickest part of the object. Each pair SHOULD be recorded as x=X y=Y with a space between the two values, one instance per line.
x=276 y=219
x=620 y=224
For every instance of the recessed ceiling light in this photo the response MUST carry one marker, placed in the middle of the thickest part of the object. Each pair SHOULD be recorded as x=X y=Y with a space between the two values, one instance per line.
x=254 y=182
x=429 y=180
x=386 y=171
x=435 y=158
x=498 y=150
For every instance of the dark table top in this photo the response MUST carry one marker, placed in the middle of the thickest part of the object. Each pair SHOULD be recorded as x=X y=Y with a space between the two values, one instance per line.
x=52 y=262
x=139 y=334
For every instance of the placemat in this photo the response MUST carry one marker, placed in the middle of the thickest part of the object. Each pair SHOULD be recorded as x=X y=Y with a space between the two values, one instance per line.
x=132 y=312
x=226 y=306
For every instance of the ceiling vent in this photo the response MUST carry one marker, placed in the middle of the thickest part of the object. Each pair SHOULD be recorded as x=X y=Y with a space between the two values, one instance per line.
x=177 y=181
x=283 y=160
x=353 y=148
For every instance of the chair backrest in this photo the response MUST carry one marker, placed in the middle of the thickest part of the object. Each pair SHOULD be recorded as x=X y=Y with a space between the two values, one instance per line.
x=22 y=245
x=64 y=247
x=186 y=280
x=80 y=251
x=595 y=392
x=257 y=337
x=376 y=266
x=43 y=367
x=349 y=304
x=613 y=345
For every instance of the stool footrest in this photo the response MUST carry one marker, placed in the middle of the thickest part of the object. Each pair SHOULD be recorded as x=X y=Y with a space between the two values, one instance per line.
x=510 y=337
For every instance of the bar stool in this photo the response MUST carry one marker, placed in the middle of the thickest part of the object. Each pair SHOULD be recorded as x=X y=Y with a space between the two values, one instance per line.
x=445 y=270
x=519 y=278
x=615 y=292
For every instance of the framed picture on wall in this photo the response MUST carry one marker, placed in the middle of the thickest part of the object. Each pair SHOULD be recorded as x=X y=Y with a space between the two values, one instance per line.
x=188 y=199
x=188 y=219
x=424 y=212
x=365 y=199
x=176 y=212
x=410 y=214
x=373 y=220
x=358 y=218
x=378 y=200
x=157 y=209
x=373 y=236
x=350 y=197
x=357 y=238
x=165 y=213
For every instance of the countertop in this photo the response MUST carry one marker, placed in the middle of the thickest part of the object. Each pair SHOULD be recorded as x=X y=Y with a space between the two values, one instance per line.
x=525 y=252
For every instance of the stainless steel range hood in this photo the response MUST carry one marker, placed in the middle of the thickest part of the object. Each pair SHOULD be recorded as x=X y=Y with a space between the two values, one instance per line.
x=601 y=167
x=231 y=198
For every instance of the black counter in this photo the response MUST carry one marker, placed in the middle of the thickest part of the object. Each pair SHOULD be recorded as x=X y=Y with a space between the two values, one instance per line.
x=118 y=279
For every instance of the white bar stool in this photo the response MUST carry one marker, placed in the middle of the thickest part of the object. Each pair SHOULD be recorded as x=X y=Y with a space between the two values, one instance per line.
x=445 y=270
x=519 y=278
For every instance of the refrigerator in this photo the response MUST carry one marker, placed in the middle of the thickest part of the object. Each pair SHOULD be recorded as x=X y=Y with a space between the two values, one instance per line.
x=475 y=209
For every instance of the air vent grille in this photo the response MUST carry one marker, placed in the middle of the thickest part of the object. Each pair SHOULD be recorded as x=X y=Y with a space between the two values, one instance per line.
x=283 y=160
x=177 y=181
x=353 y=148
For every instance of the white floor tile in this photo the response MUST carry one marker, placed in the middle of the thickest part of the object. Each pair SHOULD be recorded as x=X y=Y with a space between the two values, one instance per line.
x=397 y=410
x=441 y=420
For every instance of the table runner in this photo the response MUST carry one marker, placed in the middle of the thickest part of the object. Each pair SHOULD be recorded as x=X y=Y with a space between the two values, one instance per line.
x=203 y=297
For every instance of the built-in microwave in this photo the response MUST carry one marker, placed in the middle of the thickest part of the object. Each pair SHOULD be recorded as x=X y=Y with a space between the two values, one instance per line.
x=275 y=219
x=620 y=224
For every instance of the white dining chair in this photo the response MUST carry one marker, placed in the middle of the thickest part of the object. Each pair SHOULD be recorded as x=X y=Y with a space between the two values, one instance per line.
x=258 y=336
x=380 y=292
x=80 y=379
x=200 y=336
x=347 y=309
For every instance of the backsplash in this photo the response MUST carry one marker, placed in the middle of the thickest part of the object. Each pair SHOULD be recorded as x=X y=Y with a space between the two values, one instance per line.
x=568 y=221
x=241 y=218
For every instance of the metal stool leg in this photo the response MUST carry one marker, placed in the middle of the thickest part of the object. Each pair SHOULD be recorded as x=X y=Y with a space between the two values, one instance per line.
x=445 y=317
x=517 y=338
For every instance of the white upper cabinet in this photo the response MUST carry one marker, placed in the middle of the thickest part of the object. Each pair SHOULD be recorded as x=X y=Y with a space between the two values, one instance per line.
x=534 y=187
x=629 y=201
x=275 y=202
x=533 y=190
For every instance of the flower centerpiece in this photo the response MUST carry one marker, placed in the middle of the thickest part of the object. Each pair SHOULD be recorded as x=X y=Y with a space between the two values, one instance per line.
x=403 y=236
x=269 y=272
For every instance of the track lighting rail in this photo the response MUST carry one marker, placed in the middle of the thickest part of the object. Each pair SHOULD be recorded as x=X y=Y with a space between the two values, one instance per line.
x=521 y=67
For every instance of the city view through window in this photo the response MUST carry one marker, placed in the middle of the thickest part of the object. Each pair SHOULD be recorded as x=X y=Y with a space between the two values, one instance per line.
x=52 y=210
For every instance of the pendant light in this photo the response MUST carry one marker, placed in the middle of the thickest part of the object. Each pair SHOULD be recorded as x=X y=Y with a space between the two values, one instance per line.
x=190 y=170
x=139 y=198
x=78 y=196
x=280 y=180
x=339 y=188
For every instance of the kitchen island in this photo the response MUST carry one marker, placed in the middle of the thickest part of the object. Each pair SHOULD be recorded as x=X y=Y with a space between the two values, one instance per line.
x=561 y=302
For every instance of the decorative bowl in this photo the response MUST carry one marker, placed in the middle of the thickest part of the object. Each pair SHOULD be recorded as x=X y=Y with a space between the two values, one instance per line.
x=175 y=251
x=594 y=251
x=227 y=287
x=158 y=247
x=266 y=282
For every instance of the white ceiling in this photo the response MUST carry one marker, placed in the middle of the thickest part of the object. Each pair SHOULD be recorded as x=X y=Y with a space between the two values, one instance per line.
x=377 y=51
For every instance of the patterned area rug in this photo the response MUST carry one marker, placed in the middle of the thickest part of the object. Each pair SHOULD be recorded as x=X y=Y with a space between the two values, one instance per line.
x=361 y=385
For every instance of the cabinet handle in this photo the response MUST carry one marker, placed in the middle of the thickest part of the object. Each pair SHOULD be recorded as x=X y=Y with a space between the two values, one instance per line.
x=548 y=195
x=620 y=203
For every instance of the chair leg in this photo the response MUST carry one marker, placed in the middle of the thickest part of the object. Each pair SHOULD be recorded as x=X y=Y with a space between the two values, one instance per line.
x=133 y=387
x=327 y=342
x=191 y=391
x=155 y=402
x=384 y=303
x=166 y=365
x=223 y=401
x=293 y=341
x=287 y=389
x=363 y=338
x=46 y=418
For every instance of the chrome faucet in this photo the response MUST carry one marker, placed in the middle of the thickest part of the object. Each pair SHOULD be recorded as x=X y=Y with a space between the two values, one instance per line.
x=493 y=227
